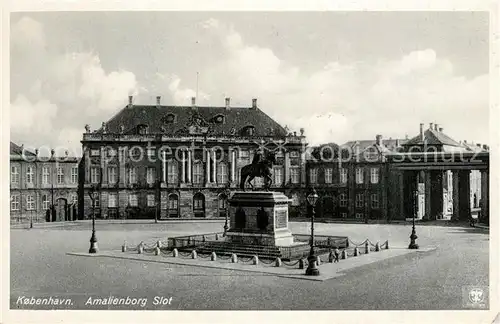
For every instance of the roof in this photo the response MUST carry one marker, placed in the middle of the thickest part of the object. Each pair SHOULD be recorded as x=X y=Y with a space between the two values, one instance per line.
x=364 y=144
x=235 y=119
x=433 y=137
x=18 y=150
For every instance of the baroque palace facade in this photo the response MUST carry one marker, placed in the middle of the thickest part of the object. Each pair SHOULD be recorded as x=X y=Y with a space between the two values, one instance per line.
x=157 y=161
x=38 y=183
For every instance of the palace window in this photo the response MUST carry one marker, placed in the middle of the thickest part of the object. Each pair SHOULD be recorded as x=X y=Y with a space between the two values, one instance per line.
x=132 y=200
x=60 y=175
x=359 y=200
x=199 y=205
x=294 y=154
x=151 y=152
x=172 y=172
x=374 y=175
x=278 y=176
x=132 y=175
x=14 y=202
x=294 y=175
x=219 y=119
x=95 y=152
x=343 y=175
x=168 y=119
x=97 y=200
x=359 y=175
x=14 y=174
x=375 y=201
x=198 y=173
x=359 y=215
x=328 y=175
x=112 y=200
x=94 y=175
x=313 y=175
x=222 y=172
x=222 y=205
x=150 y=175
x=244 y=154
x=248 y=131
x=73 y=198
x=343 y=200
x=45 y=202
x=45 y=175
x=29 y=175
x=30 y=202
x=142 y=129
x=74 y=174
x=112 y=175
x=151 y=200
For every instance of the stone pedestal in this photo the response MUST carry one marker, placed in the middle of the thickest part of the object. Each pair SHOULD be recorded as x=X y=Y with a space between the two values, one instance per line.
x=259 y=218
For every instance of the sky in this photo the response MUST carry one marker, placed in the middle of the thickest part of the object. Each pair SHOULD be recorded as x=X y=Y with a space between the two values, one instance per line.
x=339 y=75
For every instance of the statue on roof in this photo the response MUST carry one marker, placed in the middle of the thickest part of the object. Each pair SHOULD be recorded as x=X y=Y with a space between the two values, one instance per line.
x=87 y=128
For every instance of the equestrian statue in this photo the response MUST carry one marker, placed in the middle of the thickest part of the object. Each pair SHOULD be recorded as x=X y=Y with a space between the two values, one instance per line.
x=261 y=166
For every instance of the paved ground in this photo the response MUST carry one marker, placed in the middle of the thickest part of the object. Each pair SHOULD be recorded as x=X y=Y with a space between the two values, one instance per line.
x=41 y=267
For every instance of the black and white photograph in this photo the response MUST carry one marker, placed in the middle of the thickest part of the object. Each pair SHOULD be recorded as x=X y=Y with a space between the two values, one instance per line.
x=250 y=160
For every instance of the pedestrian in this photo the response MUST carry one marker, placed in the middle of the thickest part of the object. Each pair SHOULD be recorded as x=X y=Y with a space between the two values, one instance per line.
x=336 y=254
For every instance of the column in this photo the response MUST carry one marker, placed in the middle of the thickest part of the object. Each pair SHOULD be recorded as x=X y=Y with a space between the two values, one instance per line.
x=485 y=197
x=214 y=167
x=436 y=194
x=287 y=167
x=464 y=194
x=232 y=163
x=207 y=170
x=189 y=167
x=164 y=163
x=455 y=185
x=428 y=198
x=183 y=163
x=103 y=167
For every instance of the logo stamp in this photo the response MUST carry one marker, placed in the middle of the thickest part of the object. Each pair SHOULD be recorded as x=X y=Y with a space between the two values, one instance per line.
x=475 y=297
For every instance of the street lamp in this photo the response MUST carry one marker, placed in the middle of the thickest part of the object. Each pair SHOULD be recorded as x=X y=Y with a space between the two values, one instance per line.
x=93 y=192
x=312 y=269
x=226 y=226
x=413 y=235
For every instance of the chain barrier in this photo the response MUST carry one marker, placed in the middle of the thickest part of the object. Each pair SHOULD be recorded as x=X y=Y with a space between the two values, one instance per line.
x=184 y=254
x=290 y=264
x=224 y=257
x=204 y=257
x=373 y=245
x=360 y=244
x=267 y=263
x=245 y=259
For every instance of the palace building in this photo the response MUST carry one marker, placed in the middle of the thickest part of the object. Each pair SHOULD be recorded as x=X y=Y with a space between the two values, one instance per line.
x=161 y=161
x=38 y=183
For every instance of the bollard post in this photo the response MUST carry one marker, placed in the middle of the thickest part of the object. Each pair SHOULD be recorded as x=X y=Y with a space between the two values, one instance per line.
x=140 y=248
x=213 y=256
x=124 y=246
x=194 y=255
x=377 y=247
x=343 y=256
x=216 y=237
x=157 y=250
x=387 y=245
x=175 y=253
x=234 y=258
x=255 y=260
x=330 y=257
x=318 y=261
x=277 y=263
x=203 y=238
x=356 y=251
x=158 y=244
x=367 y=247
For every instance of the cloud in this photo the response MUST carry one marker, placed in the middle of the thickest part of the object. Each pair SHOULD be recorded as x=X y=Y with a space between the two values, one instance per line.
x=54 y=90
x=361 y=99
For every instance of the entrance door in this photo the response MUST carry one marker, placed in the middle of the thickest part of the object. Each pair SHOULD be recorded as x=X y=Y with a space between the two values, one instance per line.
x=61 y=210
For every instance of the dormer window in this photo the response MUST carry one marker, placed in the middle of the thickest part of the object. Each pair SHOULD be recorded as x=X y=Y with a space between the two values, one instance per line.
x=169 y=119
x=248 y=131
x=219 y=119
x=142 y=129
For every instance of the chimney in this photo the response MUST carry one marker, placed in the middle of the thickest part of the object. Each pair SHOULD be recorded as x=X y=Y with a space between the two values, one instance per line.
x=485 y=147
x=158 y=101
x=130 y=101
x=193 y=101
x=254 y=103
x=52 y=152
x=431 y=126
x=228 y=103
x=379 y=140
x=436 y=127
x=441 y=129
x=421 y=131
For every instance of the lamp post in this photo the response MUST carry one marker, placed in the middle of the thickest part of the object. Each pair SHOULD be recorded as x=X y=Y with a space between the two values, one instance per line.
x=226 y=225
x=413 y=245
x=312 y=269
x=93 y=239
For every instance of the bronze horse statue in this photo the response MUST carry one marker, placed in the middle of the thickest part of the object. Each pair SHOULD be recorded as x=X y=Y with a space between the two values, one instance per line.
x=260 y=167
